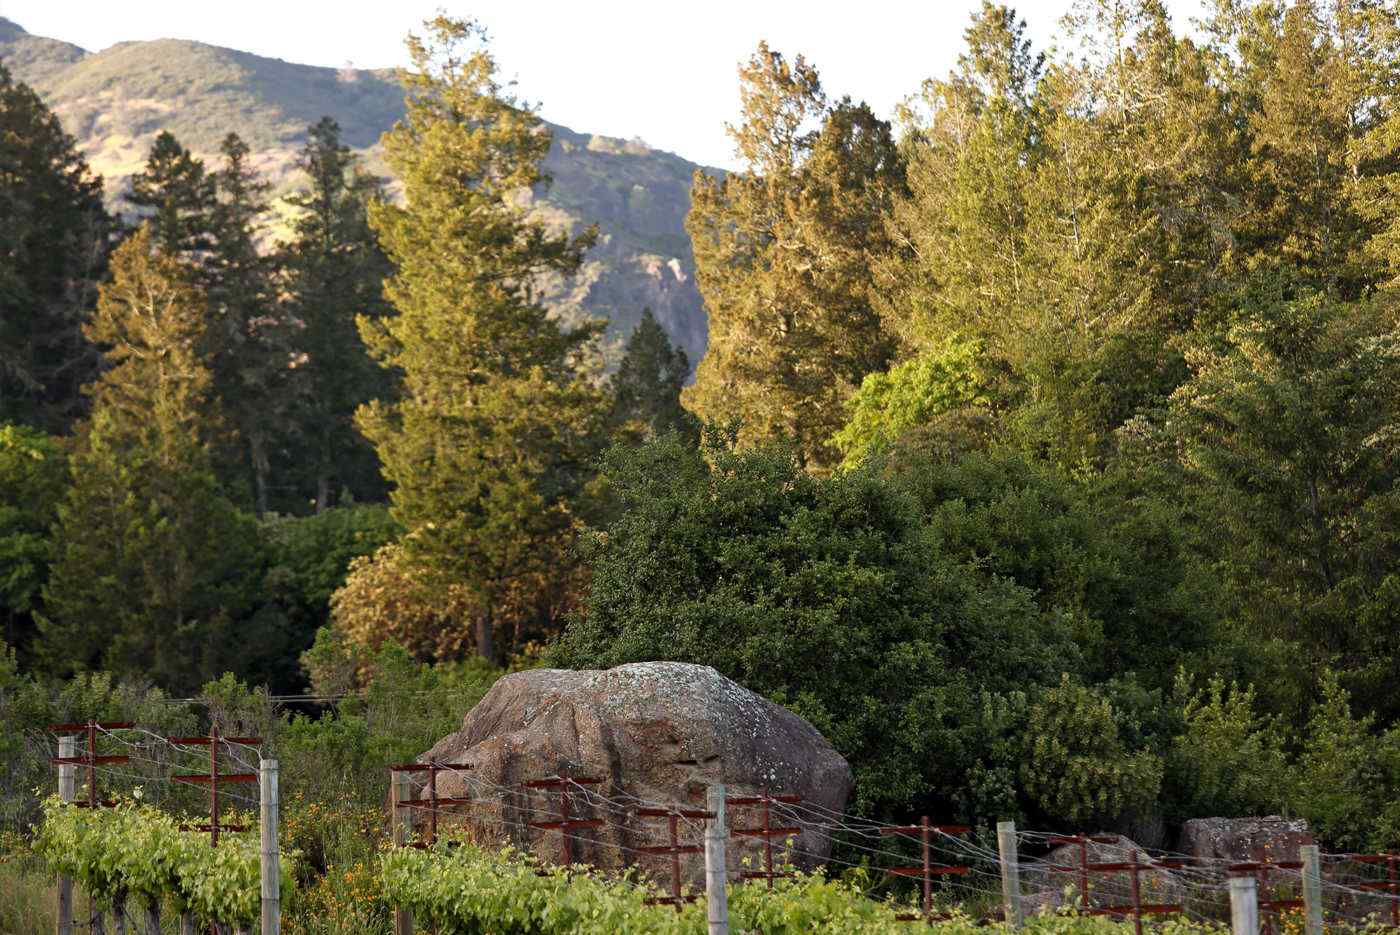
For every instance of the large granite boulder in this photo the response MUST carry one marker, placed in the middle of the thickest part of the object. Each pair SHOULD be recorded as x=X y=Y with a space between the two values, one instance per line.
x=1244 y=839
x=653 y=734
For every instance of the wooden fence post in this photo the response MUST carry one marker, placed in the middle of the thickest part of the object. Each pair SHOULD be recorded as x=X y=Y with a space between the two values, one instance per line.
x=1244 y=905
x=716 y=831
x=67 y=789
x=1010 y=872
x=1312 y=888
x=403 y=829
x=268 y=807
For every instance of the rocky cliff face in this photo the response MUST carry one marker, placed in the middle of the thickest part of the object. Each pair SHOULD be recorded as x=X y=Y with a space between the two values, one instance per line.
x=115 y=102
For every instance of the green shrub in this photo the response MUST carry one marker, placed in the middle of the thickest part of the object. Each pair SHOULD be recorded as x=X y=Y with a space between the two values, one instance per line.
x=137 y=850
x=403 y=709
x=463 y=890
x=1227 y=759
x=1075 y=764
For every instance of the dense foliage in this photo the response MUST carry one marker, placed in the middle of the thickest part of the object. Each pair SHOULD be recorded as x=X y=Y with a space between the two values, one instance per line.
x=488 y=448
x=52 y=253
x=463 y=889
x=1052 y=465
x=139 y=851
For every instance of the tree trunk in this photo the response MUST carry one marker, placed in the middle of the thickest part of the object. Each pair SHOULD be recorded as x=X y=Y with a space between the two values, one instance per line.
x=486 y=636
x=323 y=493
x=153 y=918
x=257 y=451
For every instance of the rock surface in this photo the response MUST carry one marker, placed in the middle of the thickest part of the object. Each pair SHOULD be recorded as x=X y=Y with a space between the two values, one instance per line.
x=1244 y=839
x=654 y=734
x=1057 y=880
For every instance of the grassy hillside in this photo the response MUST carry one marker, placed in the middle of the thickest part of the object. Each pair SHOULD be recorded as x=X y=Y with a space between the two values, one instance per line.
x=115 y=102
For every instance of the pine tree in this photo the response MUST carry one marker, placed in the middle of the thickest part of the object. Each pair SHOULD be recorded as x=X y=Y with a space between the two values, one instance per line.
x=1065 y=220
x=646 y=389
x=178 y=197
x=782 y=253
x=1314 y=104
x=248 y=340
x=334 y=270
x=151 y=562
x=973 y=149
x=53 y=248
x=491 y=443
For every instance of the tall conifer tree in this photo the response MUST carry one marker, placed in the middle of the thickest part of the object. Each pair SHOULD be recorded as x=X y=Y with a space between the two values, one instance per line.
x=248 y=339
x=782 y=253
x=491 y=443
x=53 y=249
x=647 y=386
x=178 y=197
x=151 y=561
x=333 y=271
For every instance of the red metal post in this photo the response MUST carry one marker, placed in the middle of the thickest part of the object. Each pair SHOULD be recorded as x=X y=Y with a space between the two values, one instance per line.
x=1391 y=884
x=214 y=777
x=671 y=822
x=1081 y=842
x=1137 y=899
x=433 y=802
x=928 y=882
x=92 y=764
x=767 y=832
x=90 y=759
x=926 y=870
x=1137 y=909
x=213 y=785
x=1268 y=908
x=674 y=849
x=567 y=822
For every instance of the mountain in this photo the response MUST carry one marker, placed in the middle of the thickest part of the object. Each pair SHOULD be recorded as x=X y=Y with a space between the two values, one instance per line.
x=114 y=103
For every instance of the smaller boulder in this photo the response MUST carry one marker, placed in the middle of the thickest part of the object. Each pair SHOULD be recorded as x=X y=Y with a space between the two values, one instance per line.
x=1238 y=840
x=1057 y=880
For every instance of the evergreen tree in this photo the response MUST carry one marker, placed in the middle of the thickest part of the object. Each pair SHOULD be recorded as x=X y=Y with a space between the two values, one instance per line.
x=178 y=197
x=782 y=255
x=1315 y=102
x=33 y=481
x=1066 y=221
x=248 y=339
x=972 y=148
x=646 y=389
x=1288 y=430
x=53 y=247
x=151 y=562
x=334 y=270
x=490 y=446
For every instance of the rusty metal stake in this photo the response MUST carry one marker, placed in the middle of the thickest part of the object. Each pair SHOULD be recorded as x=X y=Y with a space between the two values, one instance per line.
x=765 y=831
x=674 y=850
x=1260 y=870
x=927 y=870
x=215 y=778
x=567 y=823
x=432 y=803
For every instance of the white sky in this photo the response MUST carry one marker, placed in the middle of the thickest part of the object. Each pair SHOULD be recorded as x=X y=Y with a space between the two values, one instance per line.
x=661 y=69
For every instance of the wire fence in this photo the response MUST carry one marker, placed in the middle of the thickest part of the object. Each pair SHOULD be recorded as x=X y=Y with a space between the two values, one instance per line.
x=595 y=821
